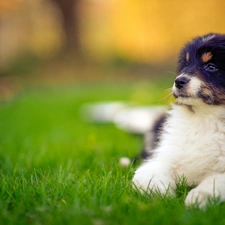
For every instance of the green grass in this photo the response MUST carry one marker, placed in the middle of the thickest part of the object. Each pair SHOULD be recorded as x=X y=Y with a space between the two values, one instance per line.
x=57 y=169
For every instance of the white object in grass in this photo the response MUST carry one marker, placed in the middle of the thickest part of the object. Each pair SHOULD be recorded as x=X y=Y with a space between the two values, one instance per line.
x=102 y=112
x=138 y=119
x=124 y=161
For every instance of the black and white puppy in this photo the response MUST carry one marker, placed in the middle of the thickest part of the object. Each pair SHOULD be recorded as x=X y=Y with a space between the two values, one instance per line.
x=192 y=141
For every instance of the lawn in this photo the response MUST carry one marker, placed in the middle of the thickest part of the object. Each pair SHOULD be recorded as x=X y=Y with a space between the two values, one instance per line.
x=57 y=169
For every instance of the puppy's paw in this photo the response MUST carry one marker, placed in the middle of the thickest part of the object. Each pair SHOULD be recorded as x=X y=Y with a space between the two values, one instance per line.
x=153 y=184
x=198 y=197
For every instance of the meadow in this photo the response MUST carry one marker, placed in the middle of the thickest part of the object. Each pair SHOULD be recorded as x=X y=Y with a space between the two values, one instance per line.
x=56 y=168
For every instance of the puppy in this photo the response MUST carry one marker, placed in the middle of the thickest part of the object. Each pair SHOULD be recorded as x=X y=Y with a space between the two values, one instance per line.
x=192 y=140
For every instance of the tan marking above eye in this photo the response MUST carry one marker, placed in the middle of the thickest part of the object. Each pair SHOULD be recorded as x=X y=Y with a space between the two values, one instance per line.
x=206 y=57
x=187 y=57
x=206 y=91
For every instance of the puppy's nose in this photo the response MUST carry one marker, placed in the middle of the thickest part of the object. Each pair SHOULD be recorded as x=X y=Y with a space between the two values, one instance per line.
x=181 y=81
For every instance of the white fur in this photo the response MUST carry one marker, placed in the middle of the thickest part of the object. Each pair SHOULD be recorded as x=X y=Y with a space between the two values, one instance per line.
x=193 y=86
x=208 y=37
x=192 y=145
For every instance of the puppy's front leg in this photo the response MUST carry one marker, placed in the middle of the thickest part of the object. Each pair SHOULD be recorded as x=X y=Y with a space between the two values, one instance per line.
x=212 y=187
x=154 y=177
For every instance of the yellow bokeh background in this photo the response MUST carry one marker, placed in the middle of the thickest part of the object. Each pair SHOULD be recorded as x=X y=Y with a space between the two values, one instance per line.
x=140 y=30
x=155 y=30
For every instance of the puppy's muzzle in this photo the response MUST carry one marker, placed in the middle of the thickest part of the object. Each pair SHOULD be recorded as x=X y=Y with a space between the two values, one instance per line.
x=181 y=81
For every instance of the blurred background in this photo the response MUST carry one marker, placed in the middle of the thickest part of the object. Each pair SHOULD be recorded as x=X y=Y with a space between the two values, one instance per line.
x=64 y=41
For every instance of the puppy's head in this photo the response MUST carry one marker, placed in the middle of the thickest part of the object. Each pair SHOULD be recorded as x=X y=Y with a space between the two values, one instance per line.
x=201 y=71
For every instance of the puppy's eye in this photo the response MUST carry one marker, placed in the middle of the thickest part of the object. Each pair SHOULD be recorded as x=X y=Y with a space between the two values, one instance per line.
x=211 y=67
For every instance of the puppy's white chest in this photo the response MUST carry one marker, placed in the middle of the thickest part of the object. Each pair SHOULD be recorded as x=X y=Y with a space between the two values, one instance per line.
x=196 y=145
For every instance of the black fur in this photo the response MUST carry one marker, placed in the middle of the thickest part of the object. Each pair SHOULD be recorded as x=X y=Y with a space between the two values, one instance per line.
x=151 y=139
